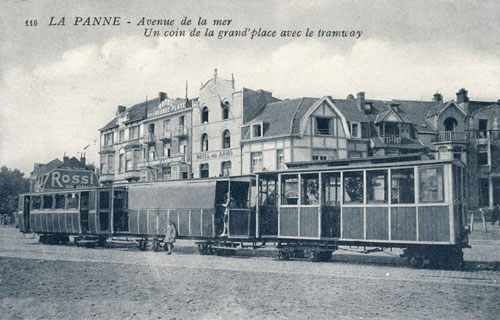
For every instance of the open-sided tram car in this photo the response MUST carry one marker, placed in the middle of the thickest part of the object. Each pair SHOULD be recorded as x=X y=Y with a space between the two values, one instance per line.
x=415 y=205
x=418 y=206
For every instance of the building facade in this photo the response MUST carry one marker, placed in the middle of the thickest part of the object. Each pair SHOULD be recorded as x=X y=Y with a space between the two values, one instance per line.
x=230 y=132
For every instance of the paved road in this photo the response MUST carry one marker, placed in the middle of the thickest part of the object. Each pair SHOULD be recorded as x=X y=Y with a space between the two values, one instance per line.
x=369 y=286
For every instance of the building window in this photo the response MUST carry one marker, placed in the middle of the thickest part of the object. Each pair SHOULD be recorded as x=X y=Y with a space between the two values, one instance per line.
x=323 y=155
x=152 y=153
x=450 y=124
x=225 y=110
x=376 y=186
x=226 y=139
x=204 y=170
x=166 y=150
x=133 y=133
x=484 y=193
x=167 y=173
x=482 y=155
x=181 y=120
x=108 y=139
x=256 y=161
x=204 y=115
x=280 y=160
x=483 y=128
x=403 y=186
x=431 y=185
x=226 y=168
x=204 y=142
x=129 y=161
x=256 y=130
x=365 y=130
x=457 y=153
x=137 y=158
x=121 y=163
x=111 y=163
x=182 y=147
x=103 y=164
x=121 y=136
x=354 y=130
x=324 y=126
x=166 y=125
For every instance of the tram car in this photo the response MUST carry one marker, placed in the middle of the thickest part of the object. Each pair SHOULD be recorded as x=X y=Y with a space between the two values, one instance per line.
x=308 y=210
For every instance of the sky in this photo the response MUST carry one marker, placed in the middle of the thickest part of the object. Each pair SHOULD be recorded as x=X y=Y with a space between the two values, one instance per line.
x=60 y=84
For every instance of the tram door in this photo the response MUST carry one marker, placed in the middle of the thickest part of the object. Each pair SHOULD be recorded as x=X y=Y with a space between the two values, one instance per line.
x=84 y=211
x=120 y=210
x=268 y=205
x=330 y=205
x=26 y=214
x=104 y=206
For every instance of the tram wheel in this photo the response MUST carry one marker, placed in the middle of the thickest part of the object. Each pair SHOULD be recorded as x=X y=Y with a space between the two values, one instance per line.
x=149 y=245
x=416 y=262
x=141 y=245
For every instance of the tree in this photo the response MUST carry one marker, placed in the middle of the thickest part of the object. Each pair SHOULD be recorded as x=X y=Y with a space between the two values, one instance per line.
x=12 y=183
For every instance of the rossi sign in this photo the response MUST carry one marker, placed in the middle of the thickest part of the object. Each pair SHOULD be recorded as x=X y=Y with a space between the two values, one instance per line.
x=70 y=179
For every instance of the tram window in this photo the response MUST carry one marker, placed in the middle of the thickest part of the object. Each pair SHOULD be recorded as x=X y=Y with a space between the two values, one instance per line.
x=60 y=200
x=72 y=201
x=104 y=200
x=36 y=202
x=239 y=194
x=331 y=189
x=267 y=192
x=403 y=185
x=47 y=201
x=431 y=184
x=353 y=187
x=289 y=189
x=376 y=186
x=310 y=189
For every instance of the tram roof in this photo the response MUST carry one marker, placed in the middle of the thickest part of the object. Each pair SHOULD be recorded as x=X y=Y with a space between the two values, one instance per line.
x=362 y=163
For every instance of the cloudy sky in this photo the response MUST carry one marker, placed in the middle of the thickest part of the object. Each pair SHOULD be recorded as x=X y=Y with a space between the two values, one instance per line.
x=59 y=85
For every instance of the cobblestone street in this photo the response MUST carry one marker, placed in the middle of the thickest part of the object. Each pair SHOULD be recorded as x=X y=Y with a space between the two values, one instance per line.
x=42 y=282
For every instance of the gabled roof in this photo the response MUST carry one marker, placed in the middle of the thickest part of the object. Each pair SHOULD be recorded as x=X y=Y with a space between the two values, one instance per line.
x=135 y=113
x=384 y=116
x=350 y=110
x=280 y=115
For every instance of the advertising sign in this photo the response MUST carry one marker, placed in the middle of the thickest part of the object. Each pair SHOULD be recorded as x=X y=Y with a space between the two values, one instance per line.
x=70 y=179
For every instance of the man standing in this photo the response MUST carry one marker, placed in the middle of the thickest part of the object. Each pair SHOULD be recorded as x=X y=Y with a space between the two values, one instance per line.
x=495 y=216
x=170 y=235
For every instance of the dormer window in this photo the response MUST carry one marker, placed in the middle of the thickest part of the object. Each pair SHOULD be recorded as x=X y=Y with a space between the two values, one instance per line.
x=324 y=126
x=368 y=107
x=204 y=115
x=225 y=110
x=257 y=130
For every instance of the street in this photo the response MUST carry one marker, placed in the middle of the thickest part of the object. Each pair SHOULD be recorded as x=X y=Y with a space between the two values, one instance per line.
x=120 y=282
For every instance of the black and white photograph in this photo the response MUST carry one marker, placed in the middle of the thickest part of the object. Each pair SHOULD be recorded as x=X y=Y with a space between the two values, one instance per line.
x=285 y=159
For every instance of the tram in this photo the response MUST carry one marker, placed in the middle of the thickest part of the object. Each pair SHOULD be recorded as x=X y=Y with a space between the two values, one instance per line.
x=308 y=210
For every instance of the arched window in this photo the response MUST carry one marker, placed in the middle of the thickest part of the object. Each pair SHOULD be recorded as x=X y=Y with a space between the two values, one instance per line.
x=450 y=124
x=204 y=142
x=225 y=110
x=204 y=115
x=226 y=139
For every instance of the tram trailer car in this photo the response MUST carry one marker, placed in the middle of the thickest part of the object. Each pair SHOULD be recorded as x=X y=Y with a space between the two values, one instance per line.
x=418 y=206
x=142 y=211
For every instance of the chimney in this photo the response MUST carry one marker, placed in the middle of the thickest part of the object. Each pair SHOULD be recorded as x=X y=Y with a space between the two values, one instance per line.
x=120 y=110
x=82 y=160
x=350 y=97
x=360 y=100
x=395 y=106
x=162 y=95
x=437 y=97
x=65 y=159
x=462 y=96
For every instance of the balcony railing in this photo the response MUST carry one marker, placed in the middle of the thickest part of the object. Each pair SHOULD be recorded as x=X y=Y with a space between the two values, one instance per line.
x=181 y=131
x=165 y=135
x=451 y=136
x=149 y=138
x=163 y=160
x=392 y=139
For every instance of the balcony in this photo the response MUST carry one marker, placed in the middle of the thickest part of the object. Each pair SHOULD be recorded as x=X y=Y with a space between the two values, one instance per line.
x=451 y=136
x=165 y=135
x=107 y=177
x=161 y=161
x=149 y=138
x=181 y=132
x=132 y=174
x=392 y=139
